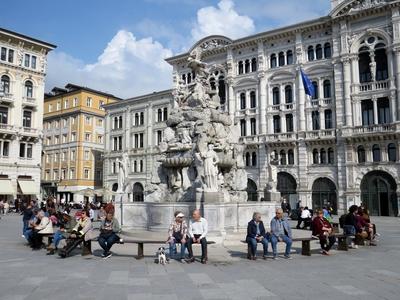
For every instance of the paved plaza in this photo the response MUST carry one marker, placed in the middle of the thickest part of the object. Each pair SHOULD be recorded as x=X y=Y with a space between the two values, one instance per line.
x=366 y=273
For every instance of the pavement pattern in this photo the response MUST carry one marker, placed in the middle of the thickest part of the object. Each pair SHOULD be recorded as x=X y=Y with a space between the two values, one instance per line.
x=365 y=273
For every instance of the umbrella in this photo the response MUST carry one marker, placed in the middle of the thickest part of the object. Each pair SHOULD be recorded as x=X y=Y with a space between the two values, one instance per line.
x=88 y=192
x=105 y=192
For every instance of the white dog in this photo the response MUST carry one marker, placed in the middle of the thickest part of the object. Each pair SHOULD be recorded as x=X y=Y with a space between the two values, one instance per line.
x=162 y=258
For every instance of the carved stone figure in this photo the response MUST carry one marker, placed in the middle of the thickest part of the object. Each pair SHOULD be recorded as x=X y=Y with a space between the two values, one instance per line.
x=211 y=169
x=273 y=172
x=123 y=166
x=372 y=66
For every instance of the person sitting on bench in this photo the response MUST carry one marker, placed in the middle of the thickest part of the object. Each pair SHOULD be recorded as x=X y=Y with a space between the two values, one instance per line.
x=177 y=232
x=198 y=229
x=364 y=227
x=256 y=234
x=45 y=226
x=281 y=232
x=324 y=231
x=305 y=217
x=350 y=225
x=82 y=232
x=108 y=234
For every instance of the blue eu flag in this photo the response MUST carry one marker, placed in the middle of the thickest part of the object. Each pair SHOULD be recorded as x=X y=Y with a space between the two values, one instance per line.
x=308 y=86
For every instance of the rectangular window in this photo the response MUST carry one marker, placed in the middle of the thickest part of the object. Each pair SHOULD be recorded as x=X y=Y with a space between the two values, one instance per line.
x=65 y=122
x=328 y=119
x=101 y=103
x=87 y=154
x=6 y=148
x=315 y=120
x=22 y=150
x=3 y=53
x=75 y=103
x=253 y=127
x=50 y=107
x=49 y=140
x=383 y=111
x=10 y=55
x=56 y=157
x=66 y=104
x=56 y=139
x=141 y=143
x=88 y=120
x=100 y=139
x=289 y=123
x=64 y=138
x=29 y=148
x=73 y=155
x=89 y=102
x=159 y=137
x=63 y=174
x=86 y=173
x=27 y=118
x=33 y=62
x=58 y=105
x=73 y=120
x=277 y=124
x=27 y=60
x=3 y=115
x=367 y=110
x=72 y=174
x=55 y=174
x=87 y=137
x=100 y=122
x=73 y=137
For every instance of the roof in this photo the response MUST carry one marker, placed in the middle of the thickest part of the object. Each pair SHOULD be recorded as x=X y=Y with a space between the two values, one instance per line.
x=72 y=88
x=142 y=97
x=30 y=39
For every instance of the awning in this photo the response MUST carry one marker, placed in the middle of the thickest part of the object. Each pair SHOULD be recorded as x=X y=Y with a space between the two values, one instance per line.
x=29 y=187
x=6 y=187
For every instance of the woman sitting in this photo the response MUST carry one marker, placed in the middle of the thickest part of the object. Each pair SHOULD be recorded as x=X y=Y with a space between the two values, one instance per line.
x=364 y=226
x=324 y=231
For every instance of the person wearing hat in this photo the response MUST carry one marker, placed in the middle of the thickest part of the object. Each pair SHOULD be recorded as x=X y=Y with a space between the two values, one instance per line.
x=177 y=232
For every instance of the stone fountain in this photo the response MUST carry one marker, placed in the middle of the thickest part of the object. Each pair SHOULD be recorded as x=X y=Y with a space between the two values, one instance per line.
x=199 y=165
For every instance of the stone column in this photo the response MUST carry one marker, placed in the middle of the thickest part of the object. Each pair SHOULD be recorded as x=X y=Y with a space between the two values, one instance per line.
x=283 y=122
x=392 y=100
x=397 y=64
x=231 y=98
x=347 y=100
x=263 y=103
x=375 y=102
x=270 y=124
x=322 y=119
x=301 y=100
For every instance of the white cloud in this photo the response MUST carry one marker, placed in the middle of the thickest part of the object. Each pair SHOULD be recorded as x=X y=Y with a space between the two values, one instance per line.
x=127 y=67
x=223 y=20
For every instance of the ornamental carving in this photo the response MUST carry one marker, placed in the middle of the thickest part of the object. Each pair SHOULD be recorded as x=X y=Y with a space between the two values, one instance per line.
x=213 y=44
x=359 y=5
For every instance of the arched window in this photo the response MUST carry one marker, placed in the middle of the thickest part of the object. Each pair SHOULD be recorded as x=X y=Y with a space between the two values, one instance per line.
x=318 y=51
x=254 y=159
x=5 y=84
x=277 y=124
x=242 y=101
x=254 y=64
x=331 y=156
x=376 y=153
x=392 y=152
x=361 y=154
x=212 y=84
x=290 y=155
x=159 y=115
x=315 y=157
x=281 y=59
x=282 y=154
x=120 y=122
x=247 y=66
x=251 y=190
x=310 y=53
x=289 y=57
x=221 y=90
x=28 y=89
x=141 y=118
x=189 y=77
x=364 y=61
x=316 y=95
x=327 y=89
x=184 y=78
x=243 y=127
x=273 y=60
x=165 y=115
x=327 y=50
x=322 y=155
x=136 y=119
x=137 y=192
x=288 y=94
x=276 y=96
x=240 y=67
x=247 y=159
x=253 y=102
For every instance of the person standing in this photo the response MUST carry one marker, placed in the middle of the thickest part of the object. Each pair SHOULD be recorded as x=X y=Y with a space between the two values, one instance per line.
x=198 y=229
x=108 y=234
x=285 y=207
x=27 y=216
x=177 y=232
x=280 y=232
x=256 y=234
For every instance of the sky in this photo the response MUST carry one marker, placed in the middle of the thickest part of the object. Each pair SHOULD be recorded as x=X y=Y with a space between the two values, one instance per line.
x=119 y=46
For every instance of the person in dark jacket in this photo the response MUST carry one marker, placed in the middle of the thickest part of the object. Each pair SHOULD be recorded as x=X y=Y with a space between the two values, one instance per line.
x=350 y=225
x=323 y=230
x=256 y=234
x=108 y=234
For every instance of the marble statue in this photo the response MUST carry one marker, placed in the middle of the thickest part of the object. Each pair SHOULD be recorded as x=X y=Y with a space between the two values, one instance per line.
x=123 y=167
x=211 y=160
x=372 y=66
x=273 y=172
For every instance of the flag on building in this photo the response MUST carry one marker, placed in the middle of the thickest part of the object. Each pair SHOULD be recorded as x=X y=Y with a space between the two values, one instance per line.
x=308 y=86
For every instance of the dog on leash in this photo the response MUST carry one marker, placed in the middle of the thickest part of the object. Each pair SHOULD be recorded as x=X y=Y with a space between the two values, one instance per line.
x=162 y=258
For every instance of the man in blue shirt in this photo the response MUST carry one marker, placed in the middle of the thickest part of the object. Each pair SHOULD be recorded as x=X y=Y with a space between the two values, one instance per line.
x=281 y=232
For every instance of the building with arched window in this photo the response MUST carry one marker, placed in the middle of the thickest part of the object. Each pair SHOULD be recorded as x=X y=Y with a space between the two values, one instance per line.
x=325 y=146
x=23 y=63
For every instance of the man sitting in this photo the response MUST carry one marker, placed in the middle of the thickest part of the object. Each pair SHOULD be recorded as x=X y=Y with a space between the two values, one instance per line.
x=256 y=234
x=108 y=234
x=198 y=228
x=45 y=226
x=281 y=232
x=305 y=217
x=323 y=230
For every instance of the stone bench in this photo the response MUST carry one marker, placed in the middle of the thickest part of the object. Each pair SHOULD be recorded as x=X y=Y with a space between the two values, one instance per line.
x=342 y=241
x=140 y=243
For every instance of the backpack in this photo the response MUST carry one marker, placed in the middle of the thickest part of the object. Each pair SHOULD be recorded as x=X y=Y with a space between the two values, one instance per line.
x=342 y=220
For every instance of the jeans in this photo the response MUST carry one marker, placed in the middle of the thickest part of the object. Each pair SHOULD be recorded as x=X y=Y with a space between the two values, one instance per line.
x=252 y=242
x=285 y=239
x=327 y=242
x=203 y=243
x=107 y=240
x=349 y=230
x=172 y=248
x=25 y=226
x=58 y=236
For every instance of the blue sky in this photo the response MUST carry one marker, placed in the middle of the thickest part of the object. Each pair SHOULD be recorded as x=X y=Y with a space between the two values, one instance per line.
x=119 y=46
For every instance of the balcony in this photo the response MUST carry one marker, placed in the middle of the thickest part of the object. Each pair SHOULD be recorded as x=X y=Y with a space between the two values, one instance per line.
x=321 y=102
x=371 y=129
x=29 y=134
x=321 y=134
x=281 y=137
x=373 y=86
x=282 y=107
x=6 y=98
x=7 y=131
x=29 y=101
x=248 y=140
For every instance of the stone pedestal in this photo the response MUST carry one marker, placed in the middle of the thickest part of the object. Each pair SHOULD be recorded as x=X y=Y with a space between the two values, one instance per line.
x=272 y=196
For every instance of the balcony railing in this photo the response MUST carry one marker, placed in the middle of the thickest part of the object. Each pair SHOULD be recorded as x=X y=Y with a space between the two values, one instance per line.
x=30 y=130
x=8 y=97
x=318 y=134
x=374 y=86
x=251 y=139
x=281 y=137
x=6 y=127
x=282 y=107
x=378 y=128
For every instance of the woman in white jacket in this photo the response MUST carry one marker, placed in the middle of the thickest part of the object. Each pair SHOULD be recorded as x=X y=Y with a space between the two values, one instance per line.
x=45 y=226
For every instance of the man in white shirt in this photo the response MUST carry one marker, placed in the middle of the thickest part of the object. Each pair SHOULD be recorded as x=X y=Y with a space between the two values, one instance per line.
x=198 y=228
x=306 y=217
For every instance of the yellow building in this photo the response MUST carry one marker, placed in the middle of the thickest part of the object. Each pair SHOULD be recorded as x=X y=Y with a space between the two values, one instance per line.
x=73 y=141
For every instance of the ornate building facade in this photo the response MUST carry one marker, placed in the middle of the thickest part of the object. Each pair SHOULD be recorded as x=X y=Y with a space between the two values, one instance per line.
x=339 y=148
x=23 y=62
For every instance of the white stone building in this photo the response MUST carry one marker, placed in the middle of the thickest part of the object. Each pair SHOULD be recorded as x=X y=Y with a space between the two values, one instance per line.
x=23 y=63
x=341 y=147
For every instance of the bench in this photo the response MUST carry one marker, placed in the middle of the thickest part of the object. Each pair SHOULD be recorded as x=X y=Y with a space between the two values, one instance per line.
x=342 y=241
x=305 y=245
x=140 y=243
